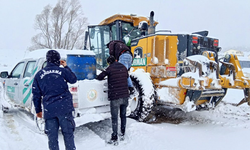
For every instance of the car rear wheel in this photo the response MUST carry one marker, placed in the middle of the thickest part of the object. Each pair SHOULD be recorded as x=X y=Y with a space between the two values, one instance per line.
x=5 y=109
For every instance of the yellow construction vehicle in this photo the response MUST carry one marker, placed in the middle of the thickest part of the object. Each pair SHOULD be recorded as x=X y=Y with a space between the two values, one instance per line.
x=182 y=70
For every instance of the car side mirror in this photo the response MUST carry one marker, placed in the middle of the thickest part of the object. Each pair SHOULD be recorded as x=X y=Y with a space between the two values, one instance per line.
x=4 y=74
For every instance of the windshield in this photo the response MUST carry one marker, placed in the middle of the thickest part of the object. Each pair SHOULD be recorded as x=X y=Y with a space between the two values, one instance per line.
x=124 y=31
x=129 y=32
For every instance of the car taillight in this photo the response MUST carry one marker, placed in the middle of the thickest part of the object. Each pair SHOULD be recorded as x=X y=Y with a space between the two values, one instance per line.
x=195 y=40
x=73 y=89
x=74 y=93
x=75 y=104
x=216 y=43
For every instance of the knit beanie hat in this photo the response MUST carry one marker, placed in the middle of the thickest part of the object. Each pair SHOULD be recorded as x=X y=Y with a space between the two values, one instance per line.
x=53 y=56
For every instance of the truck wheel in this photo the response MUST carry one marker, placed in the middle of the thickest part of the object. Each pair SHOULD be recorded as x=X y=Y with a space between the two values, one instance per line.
x=5 y=109
x=140 y=105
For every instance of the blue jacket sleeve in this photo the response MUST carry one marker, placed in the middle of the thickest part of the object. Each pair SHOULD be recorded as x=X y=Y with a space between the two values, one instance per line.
x=37 y=96
x=69 y=75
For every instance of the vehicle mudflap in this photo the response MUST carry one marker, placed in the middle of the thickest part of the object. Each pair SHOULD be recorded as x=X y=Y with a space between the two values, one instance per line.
x=193 y=95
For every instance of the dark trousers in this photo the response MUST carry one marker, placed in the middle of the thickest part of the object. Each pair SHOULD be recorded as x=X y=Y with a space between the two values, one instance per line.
x=116 y=105
x=67 y=124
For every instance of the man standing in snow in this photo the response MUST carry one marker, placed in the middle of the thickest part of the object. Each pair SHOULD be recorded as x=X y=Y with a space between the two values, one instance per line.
x=122 y=54
x=50 y=88
x=118 y=95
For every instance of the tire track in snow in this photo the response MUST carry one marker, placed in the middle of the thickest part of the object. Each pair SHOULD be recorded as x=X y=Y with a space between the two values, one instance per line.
x=10 y=123
x=225 y=114
x=101 y=128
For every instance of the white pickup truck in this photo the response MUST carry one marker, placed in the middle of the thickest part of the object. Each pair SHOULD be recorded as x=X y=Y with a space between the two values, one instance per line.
x=89 y=96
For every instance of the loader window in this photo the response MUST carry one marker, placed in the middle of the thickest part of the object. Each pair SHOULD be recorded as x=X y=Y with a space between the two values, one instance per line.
x=114 y=30
x=99 y=38
x=124 y=31
x=128 y=30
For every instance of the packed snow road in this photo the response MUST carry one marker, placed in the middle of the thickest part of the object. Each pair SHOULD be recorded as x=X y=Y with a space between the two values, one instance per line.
x=225 y=127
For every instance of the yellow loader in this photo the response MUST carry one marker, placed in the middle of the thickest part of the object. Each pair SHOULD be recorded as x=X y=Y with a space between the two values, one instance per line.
x=181 y=70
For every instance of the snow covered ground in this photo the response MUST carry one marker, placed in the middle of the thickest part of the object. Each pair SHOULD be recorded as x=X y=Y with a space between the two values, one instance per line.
x=227 y=127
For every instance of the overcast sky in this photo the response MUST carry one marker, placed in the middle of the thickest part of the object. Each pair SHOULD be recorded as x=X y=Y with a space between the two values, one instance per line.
x=228 y=20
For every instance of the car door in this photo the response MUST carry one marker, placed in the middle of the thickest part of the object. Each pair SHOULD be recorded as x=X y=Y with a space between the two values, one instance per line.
x=13 y=82
x=25 y=91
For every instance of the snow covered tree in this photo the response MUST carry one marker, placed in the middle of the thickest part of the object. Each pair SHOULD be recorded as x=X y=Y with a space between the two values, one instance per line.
x=61 y=27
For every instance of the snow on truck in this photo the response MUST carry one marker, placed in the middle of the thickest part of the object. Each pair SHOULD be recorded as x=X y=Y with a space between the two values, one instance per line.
x=184 y=69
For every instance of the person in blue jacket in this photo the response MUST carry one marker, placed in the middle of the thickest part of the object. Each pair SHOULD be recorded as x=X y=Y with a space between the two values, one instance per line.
x=50 y=89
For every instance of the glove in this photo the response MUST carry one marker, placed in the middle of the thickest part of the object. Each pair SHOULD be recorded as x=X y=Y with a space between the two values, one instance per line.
x=39 y=115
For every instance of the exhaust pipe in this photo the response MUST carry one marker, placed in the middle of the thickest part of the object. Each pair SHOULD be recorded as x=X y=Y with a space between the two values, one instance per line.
x=85 y=40
x=151 y=29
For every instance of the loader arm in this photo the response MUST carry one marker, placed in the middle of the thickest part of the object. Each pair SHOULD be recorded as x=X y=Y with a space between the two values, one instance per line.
x=232 y=75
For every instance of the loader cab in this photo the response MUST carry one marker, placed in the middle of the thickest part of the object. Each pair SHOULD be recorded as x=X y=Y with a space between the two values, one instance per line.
x=101 y=35
x=117 y=27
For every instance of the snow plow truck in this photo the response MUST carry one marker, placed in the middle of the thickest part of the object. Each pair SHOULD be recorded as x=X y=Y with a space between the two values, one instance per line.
x=181 y=70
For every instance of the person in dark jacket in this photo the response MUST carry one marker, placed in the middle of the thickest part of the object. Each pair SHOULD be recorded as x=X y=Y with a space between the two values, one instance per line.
x=117 y=94
x=122 y=54
x=50 y=89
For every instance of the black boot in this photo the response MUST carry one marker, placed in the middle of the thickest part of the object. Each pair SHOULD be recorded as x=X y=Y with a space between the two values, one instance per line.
x=113 y=140
x=122 y=137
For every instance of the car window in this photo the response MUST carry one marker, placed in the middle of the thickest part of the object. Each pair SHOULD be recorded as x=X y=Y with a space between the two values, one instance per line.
x=16 y=72
x=29 y=69
x=44 y=64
